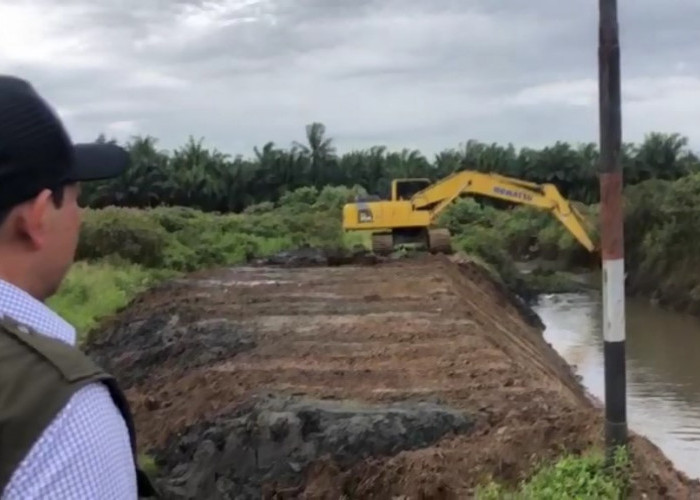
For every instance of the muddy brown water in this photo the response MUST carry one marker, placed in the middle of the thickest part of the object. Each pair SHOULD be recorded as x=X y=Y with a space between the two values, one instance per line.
x=663 y=367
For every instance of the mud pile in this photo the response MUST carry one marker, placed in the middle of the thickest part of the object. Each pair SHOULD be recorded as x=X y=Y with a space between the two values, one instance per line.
x=163 y=340
x=307 y=257
x=273 y=440
x=419 y=377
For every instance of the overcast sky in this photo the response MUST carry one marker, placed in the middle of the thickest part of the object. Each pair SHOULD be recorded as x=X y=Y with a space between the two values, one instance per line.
x=425 y=74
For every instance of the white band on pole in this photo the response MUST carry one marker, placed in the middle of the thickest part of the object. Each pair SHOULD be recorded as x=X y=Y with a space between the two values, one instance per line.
x=614 y=300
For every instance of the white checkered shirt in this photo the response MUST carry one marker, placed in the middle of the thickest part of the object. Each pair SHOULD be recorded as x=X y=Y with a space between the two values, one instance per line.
x=85 y=453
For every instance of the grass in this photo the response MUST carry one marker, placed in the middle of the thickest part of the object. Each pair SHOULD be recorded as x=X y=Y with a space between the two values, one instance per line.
x=93 y=290
x=148 y=464
x=571 y=477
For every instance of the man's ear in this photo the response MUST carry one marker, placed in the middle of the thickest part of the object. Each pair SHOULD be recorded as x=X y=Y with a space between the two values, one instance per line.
x=34 y=218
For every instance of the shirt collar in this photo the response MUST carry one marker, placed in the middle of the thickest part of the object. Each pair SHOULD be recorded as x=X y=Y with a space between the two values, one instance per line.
x=23 y=308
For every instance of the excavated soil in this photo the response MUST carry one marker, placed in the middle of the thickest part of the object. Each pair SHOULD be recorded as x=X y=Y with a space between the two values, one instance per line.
x=415 y=378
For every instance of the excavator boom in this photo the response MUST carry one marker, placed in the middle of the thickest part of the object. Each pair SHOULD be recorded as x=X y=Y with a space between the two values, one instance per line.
x=409 y=217
x=438 y=196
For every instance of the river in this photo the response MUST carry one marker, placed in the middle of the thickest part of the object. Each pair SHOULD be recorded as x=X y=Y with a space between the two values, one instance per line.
x=663 y=367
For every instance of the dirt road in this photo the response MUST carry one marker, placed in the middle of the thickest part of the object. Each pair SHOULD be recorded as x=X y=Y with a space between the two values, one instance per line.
x=418 y=377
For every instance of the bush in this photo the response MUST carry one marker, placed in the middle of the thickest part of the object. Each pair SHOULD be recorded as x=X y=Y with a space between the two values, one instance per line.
x=523 y=232
x=332 y=198
x=661 y=225
x=643 y=215
x=174 y=219
x=571 y=477
x=302 y=196
x=131 y=234
x=260 y=208
x=466 y=212
x=522 y=229
x=489 y=246
x=185 y=239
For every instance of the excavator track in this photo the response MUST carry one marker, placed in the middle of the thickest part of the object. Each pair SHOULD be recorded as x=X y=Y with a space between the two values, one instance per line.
x=382 y=243
x=439 y=241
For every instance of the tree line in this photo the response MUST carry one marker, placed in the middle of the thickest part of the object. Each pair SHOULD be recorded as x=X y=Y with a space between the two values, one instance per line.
x=199 y=177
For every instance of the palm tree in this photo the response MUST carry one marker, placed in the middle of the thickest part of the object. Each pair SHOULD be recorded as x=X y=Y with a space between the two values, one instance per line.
x=320 y=151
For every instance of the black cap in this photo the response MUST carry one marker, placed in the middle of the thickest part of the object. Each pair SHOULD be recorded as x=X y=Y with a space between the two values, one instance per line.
x=37 y=153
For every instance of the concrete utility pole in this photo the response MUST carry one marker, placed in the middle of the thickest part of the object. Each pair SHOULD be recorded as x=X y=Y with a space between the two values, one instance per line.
x=612 y=232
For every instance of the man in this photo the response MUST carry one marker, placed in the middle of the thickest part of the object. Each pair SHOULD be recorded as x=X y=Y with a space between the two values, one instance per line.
x=65 y=428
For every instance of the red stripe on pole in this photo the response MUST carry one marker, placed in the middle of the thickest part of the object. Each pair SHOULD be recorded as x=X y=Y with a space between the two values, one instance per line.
x=611 y=216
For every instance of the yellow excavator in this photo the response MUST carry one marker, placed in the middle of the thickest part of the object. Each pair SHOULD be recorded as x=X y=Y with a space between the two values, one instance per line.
x=409 y=216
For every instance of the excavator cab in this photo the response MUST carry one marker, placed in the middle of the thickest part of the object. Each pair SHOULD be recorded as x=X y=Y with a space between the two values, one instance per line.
x=404 y=189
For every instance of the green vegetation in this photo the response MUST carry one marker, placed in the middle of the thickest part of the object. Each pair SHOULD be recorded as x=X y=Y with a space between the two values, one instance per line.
x=148 y=464
x=521 y=232
x=123 y=251
x=571 y=477
x=186 y=239
x=661 y=226
x=231 y=210
x=197 y=177
x=500 y=237
x=96 y=289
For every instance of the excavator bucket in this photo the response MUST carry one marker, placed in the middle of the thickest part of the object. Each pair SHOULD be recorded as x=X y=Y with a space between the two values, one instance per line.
x=587 y=219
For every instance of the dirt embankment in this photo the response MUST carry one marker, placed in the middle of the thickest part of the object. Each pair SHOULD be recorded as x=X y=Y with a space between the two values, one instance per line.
x=417 y=377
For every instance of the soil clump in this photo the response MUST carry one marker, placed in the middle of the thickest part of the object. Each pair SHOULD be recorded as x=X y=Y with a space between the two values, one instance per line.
x=269 y=442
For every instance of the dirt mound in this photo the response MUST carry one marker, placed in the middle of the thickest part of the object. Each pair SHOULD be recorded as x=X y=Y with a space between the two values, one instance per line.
x=266 y=445
x=198 y=353
x=520 y=301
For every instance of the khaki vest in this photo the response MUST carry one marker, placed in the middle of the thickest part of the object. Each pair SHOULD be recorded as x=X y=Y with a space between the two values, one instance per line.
x=38 y=375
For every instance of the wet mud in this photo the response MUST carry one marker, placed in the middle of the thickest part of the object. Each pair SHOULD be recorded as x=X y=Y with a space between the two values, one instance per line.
x=269 y=443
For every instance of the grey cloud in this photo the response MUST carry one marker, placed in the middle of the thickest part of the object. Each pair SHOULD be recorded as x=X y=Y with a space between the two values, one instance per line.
x=398 y=72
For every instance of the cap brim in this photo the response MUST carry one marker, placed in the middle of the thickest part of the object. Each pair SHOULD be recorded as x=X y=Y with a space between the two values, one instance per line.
x=98 y=161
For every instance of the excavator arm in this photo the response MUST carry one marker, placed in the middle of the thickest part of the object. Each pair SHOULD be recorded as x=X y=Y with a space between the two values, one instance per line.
x=438 y=196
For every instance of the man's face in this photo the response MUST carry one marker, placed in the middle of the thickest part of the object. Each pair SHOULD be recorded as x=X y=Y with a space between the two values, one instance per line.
x=39 y=239
x=61 y=236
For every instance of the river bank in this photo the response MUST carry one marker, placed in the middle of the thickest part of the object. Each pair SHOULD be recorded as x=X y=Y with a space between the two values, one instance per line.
x=417 y=377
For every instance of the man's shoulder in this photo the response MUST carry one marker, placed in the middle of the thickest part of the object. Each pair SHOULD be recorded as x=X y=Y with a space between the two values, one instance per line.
x=92 y=415
x=38 y=373
x=88 y=420
x=23 y=345
x=51 y=390
x=85 y=452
